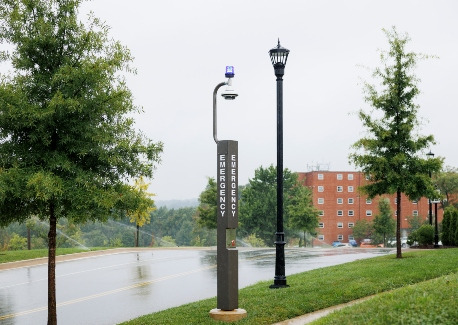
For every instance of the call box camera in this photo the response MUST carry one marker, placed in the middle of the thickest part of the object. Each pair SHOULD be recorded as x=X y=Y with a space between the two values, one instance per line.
x=229 y=93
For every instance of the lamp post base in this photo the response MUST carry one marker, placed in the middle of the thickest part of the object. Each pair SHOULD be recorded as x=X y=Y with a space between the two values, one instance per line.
x=228 y=315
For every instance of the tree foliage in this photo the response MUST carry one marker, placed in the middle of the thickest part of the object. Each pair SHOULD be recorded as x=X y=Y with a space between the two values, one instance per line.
x=363 y=229
x=207 y=209
x=67 y=146
x=391 y=153
x=258 y=205
x=447 y=183
x=384 y=224
x=141 y=215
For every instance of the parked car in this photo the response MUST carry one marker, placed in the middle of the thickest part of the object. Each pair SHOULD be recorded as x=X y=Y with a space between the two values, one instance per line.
x=335 y=243
x=392 y=242
x=344 y=245
x=353 y=243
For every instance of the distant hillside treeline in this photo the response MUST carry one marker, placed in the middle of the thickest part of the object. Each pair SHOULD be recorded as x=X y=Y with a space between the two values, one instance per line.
x=167 y=227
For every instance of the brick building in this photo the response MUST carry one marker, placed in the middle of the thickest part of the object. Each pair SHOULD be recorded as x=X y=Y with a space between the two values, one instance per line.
x=336 y=196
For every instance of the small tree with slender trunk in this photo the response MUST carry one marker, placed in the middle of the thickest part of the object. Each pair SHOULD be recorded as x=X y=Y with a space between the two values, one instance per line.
x=391 y=155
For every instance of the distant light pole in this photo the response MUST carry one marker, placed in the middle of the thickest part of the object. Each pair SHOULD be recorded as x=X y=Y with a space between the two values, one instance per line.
x=278 y=56
x=436 y=230
x=430 y=155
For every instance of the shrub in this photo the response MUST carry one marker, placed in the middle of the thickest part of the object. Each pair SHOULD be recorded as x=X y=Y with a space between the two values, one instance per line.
x=17 y=243
x=425 y=235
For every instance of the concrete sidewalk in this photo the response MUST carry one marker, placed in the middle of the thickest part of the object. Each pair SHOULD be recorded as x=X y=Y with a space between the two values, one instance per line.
x=308 y=318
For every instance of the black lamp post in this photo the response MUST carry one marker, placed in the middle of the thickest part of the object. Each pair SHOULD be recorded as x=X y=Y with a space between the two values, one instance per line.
x=430 y=155
x=278 y=56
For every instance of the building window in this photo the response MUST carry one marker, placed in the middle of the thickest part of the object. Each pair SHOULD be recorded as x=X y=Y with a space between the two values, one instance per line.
x=396 y=213
x=321 y=213
x=351 y=200
x=320 y=237
x=320 y=176
x=339 y=200
x=339 y=237
x=340 y=225
x=321 y=225
x=350 y=189
x=339 y=177
x=369 y=213
x=415 y=213
x=415 y=201
x=351 y=213
x=350 y=237
x=339 y=188
x=395 y=200
x=368 y=201
x=351 y=225
x=320 y=200
x=339 y=213
x=320 y=188
x=350 y=177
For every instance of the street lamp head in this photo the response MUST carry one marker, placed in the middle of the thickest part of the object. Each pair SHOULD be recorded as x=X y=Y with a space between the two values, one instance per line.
x=430 y=154
x=278 y=56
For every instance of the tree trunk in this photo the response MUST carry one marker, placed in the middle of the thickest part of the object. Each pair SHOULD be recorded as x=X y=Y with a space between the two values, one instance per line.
x=398 y=224
x=52 y=310
x=29 y=245
x=137 y=235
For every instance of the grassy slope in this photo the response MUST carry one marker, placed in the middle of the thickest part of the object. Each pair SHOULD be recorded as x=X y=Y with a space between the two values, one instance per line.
x=319 y=288
x=430 y=302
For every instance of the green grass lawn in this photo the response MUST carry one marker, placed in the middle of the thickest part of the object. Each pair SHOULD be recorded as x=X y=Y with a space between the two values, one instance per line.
x=430 y=302
x=13 y=256
x=322 y=288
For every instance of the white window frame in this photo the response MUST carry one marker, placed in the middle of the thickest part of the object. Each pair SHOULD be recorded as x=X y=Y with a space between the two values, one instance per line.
x=321 y=225
x=320 y=176
x=368 y=201
x=350 y=189
x=340 y=225
x=339 y=177
x=351 y=224
x=339 y=200
x=350 y=177
x=320 y=188
x=320 y=200
x=339 y=188
x=351 y=213
x=340 y=213
x=368 y=213
x=339 y=237
x=351 y=200
x=415 y=213
x=321 y=237
x=321 y=213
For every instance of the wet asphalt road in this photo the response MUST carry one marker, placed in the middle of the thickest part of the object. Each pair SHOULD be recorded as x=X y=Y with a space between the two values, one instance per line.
x=113 y=288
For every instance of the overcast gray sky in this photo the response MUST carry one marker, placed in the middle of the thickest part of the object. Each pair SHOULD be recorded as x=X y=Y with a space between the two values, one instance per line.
x=181 y=48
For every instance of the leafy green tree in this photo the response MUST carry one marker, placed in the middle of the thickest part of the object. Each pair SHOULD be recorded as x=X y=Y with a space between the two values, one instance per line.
x=141 y=215
x=415 y=222
x=390 y=153
x=447 y=183
x=258 y=203
x=17 y=243
x=362 y=229
x=302 y=214
x=207 y=209
x=384 y=225
x=67 y=144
